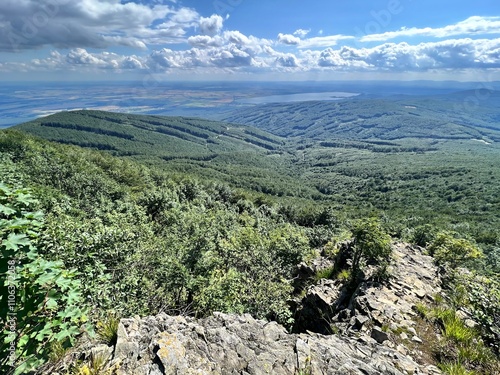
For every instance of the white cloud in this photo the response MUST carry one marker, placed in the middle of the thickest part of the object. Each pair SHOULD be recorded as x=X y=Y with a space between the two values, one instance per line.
x=256 y=55
x=81 y=56
x=236 y=37
x=323 y=41
x=33 y=24
x=289 y=61
x=228 y=51
x=79 y=59
x=231 y=57
x=450 y=54
x=132 y=62
x=288 y=39
x=301 y=33
x=204 y=41
x=211 y=25
x=471 y=26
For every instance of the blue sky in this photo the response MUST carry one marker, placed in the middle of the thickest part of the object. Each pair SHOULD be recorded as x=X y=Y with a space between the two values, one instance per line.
x=249 y=39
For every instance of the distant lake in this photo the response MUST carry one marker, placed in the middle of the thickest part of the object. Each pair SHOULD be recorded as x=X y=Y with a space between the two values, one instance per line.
x=334 y=95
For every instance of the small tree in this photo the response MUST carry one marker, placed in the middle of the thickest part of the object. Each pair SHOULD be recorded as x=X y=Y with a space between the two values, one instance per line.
x=371 y=245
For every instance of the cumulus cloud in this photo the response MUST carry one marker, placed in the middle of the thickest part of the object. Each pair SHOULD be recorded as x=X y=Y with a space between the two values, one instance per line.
x=211 y=25
x=249 y=55
x=205 y=41
x=232 y=57
x=288 y=61
x=288 y=39
x=449 y=54
x=231 y=49
x=236 y=37
x=79 y=59
x=214 y=49
x=471 y=26
x=81 y=56
x=32 y=24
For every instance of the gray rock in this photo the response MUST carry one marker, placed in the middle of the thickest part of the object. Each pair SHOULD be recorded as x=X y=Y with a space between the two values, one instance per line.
x=360 y=320
x=416 y=339
x=412 y=331
x=379 y=335
x=470 y=323
x=240 y=344
x=103 y=352
x=231 y=344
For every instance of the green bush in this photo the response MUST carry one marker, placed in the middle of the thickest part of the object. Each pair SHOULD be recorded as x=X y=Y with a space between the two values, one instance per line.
x=371 y=244
x=41 y=302
x=449 y=250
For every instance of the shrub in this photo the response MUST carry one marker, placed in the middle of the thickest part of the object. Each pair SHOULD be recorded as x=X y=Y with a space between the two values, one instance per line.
x=455 y=369
x=324 y=273
x=52 y=305
x=451 y=251
x=371 y=244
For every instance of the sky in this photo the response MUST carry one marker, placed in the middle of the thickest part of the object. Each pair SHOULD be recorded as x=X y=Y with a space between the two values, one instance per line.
x=89 y=40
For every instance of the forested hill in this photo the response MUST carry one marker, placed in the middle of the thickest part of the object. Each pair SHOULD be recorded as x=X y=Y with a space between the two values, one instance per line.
x=439 y=180
x=154 y=136
x=463 y=115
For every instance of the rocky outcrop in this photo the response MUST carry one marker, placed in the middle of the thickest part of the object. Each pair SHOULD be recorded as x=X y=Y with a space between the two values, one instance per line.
x=329 y=302
x=230 y=344
x=415 y=279
x=374 y=331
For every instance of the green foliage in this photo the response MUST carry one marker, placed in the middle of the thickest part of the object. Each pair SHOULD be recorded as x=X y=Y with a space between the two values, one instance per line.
x=423 y=235
x=325 y=273
x=481 y=296
x=455 y=369
x=461 y=345
x=455 y=329
x=128 y=229
x=107 y=329
x=383 y=272
x=422 y=310
x=146 y=240
x=449 y=250
x=96 y=365
x=371 y=244
x=41 y=302
x=344 y=275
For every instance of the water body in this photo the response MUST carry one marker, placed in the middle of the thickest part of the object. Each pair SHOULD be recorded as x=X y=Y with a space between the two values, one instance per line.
x=325 y=96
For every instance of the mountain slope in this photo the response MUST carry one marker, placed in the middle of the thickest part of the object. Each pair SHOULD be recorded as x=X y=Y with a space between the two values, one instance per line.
x=159 y=136
x=397 y=118
x=242 y=155
x=440 y=180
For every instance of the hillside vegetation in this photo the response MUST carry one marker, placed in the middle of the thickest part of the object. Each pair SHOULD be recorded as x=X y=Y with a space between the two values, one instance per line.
x=94 y=223
x=449 y=183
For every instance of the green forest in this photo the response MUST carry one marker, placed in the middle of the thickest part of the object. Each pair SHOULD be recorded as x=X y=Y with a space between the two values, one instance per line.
x=106 y=215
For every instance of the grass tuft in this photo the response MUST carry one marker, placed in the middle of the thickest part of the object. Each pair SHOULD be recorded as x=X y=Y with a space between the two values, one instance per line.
x=107 y=329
